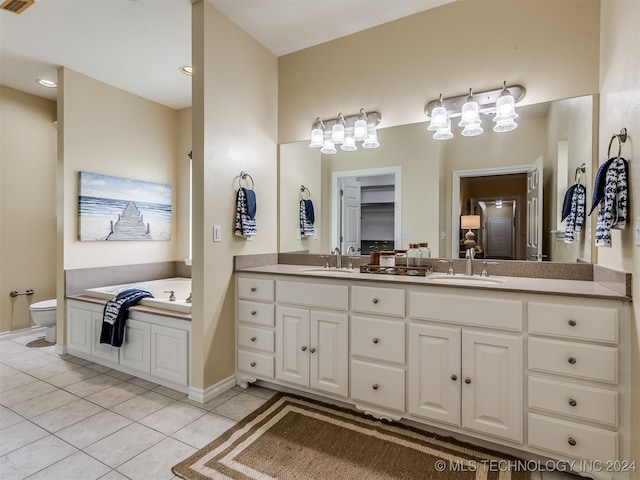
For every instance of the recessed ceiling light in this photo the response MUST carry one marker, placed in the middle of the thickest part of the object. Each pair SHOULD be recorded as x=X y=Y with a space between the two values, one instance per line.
x=47 y=83
x=187 y=70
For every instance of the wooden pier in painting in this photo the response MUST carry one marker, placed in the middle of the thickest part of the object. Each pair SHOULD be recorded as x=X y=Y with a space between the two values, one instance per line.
x=130 y=225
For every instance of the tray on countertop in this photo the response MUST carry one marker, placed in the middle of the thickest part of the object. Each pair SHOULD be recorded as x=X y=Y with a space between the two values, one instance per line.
x=397 y=270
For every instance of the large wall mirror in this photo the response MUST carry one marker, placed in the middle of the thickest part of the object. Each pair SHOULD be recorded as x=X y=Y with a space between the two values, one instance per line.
x=440 y=181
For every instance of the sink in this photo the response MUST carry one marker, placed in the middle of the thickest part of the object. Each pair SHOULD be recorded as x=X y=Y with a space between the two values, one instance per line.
x=464 y=280
x=329 y=271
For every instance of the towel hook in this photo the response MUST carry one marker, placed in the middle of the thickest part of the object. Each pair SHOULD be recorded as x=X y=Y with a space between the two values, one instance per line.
x=243 y=176
x=579 y=171
x=304 y=189
x=622 y=137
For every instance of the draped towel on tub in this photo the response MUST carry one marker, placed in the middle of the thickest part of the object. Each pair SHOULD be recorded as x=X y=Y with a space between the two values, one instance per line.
x=116 y=312
x=246 y=207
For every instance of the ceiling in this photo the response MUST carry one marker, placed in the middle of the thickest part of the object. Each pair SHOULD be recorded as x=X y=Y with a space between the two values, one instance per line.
x=140 y=45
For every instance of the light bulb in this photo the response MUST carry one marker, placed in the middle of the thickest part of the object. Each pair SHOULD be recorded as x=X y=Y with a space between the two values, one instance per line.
x=504 y=125
x=328 y=148
x=445 y=132
x=337 y=131
x=349 y=144
x=470 y=115
x=360 y=127
x=372 y=140
x=317 y=134
x=438 y=116
x=472 y=130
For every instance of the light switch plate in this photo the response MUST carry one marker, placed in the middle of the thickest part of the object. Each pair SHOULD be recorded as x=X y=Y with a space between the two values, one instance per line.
x=217 y=233
x=406 y=234
x=638 y=231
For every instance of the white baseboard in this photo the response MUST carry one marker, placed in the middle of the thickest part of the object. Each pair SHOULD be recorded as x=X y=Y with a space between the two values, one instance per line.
x=203 y=396
x=22 y=332
x=60 y=349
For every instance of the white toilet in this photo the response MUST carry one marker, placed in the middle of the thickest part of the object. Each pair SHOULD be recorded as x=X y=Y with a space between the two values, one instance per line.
x=44 y=314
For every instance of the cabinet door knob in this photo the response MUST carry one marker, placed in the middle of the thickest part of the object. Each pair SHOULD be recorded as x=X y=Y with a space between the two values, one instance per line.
x=253 y=364
x=572 y=441
x=375 y=386
x=254 y=312
x=572 y=360
x=304 y=349
x=376 y=340
x=572 y=402
x=572 y=323
x=375 y=300
x=253 y=289
x=253 y=339
x=454 y=377
x=467 y=380
x=312 y=350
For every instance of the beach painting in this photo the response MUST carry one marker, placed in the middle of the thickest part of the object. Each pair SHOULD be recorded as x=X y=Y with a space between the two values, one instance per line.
x=115 y=208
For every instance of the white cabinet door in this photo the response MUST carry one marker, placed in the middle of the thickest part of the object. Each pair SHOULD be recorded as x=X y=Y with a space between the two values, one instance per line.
x=135 y=351
x=434 y=373
x=492 y=388
x=169 y=354
x=79 y=330
x=328 y=349
x=101 y=350
x=292 y=345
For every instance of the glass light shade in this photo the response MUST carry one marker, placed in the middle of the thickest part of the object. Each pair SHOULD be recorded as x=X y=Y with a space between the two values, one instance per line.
x=470 y=115
x=505 y=125
x=438 y=119
x=349 y=144
x=444 y=133
x=505 y=107
x=328 y=148
x=472 y=130
x=337 y=134
x=317 y=138
x=360 y=132
x=372 y=140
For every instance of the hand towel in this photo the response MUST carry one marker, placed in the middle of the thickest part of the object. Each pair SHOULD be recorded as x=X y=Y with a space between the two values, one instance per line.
x=116 y=312
x=566 y=204
x=575 y=219
x=307 y=217
x=245 y=226
x=599 y=184
x=613 y=208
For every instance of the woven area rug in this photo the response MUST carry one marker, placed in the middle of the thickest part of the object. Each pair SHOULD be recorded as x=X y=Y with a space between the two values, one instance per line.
x=291 y=437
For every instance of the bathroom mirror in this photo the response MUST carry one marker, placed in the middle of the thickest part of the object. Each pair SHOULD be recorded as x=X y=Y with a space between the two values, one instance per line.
x=559 y=133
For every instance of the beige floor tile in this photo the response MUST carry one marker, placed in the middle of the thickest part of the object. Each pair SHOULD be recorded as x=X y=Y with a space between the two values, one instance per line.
x=121 y=375
x=114 y=475
x=239 y=406
x=8 y=418
x=7 y=347
x=92 y=385
x=53 y=369
x=67 y=415
x=259 y=391
x=156 y=462
x=204 y=430
x=173 y=417
x=73 y=376
x=78 y=466
x=100 y=368
x=170 y=392
x=141 y=382
x=142 y=405
x=25 y=392
x=93 y=429
x=124 y=444
x=19 y=435
x=6 y=371
x=80 y=361
x=115 y=395
x=16 y=380
x=214 y=402
x=43 y=403
x=32 y=458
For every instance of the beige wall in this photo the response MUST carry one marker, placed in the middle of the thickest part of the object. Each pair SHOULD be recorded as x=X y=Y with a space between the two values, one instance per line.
x=27 y=204
x=183 y=191
x=619 y=107
x=235 y=92
x=397 y=67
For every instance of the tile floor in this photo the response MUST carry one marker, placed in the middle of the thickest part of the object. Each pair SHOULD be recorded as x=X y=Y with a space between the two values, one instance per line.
x=62 y=417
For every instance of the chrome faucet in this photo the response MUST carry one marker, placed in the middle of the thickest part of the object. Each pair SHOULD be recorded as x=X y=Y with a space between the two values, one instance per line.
x=338 y=254
x=172 y=295
x=351 y=250
x=450 y=262
x=468 y=269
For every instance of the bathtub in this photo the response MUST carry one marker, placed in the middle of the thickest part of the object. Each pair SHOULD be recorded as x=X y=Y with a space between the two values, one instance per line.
x=158 y=288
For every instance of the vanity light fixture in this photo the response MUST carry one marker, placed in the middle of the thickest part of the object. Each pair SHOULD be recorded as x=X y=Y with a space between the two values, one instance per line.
x=499 y=102
x=345 y=131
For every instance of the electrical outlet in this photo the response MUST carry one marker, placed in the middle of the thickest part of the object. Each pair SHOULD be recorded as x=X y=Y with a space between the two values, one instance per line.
x=217 y=233
x=406 y=234
x=638 y=231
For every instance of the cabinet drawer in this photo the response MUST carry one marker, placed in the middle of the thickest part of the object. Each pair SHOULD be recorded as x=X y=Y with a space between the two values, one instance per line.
x=578 y=401
x=314 y=294
x=255 y=289
x=470 y=310
x=256 y=338
x=558 y=436
x=574 y=321
x=256 y=363
x=383 y=301
x=256 y=313
x=576 y=360
x=378 y=339
x=380 y=385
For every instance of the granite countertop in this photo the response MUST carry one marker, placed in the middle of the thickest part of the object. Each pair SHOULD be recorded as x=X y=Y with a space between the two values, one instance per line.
x=135 y=308
x=548 y=286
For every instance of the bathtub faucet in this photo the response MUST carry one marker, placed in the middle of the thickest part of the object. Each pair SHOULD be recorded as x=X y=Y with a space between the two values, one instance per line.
x=188 y=300
x=172 y=296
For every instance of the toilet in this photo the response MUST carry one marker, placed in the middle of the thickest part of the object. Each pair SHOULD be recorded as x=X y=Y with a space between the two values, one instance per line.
x=44 y=314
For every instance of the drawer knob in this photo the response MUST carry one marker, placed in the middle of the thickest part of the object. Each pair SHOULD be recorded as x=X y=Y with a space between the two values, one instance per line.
x=572 y=360
x=304 y=348
x=572 y=441
x=467 y=380
x=253 y=364
x=254 y=312
x=572 y=323
x=376 y=340
x=253 y=339
x=253 y=289
x=375 y=300
x=572 y=402
x=454 y=377
x=312 y=350
x=375 y=386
